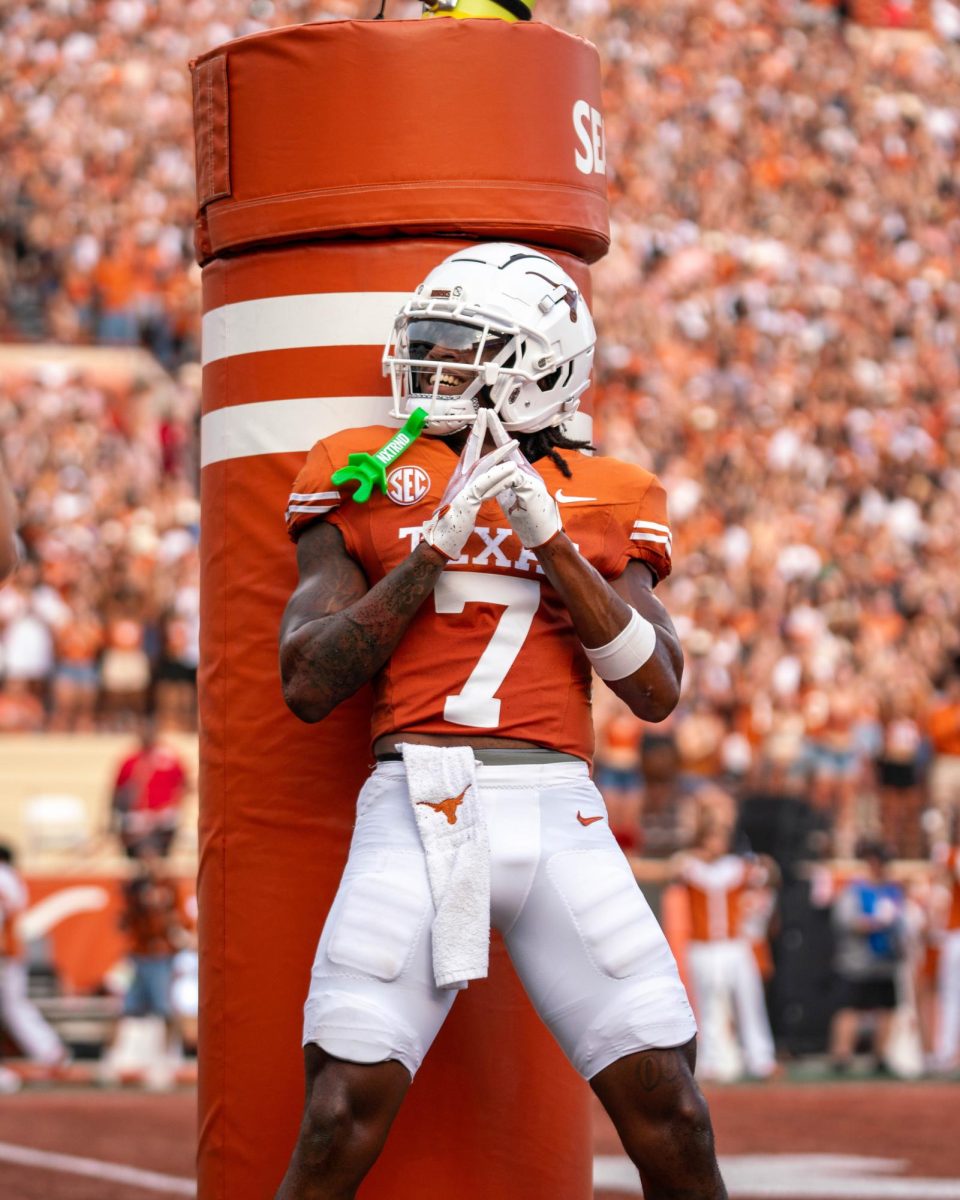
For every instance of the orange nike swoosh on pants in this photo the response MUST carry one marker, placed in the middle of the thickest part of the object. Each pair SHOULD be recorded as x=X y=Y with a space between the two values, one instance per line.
x=587 y=820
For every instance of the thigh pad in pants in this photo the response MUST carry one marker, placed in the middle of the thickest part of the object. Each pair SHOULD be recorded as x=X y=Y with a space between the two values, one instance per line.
x=372 y=994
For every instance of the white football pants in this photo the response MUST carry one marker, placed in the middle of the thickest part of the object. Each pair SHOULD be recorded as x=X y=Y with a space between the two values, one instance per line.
x=582 y=938
x=23 y=1020
x=728 y=997
x=948 y=992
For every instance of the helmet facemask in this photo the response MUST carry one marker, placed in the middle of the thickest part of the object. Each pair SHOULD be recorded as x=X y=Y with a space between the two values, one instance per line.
x=448 y=367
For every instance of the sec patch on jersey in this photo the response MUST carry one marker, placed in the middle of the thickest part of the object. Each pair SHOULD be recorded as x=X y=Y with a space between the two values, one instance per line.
x=407 y=485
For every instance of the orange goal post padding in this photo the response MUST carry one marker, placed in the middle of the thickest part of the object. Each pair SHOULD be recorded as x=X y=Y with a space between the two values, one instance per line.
x=327 y=192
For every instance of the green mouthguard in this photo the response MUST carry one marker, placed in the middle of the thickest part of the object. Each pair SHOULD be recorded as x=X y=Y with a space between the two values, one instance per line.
x=370 y=470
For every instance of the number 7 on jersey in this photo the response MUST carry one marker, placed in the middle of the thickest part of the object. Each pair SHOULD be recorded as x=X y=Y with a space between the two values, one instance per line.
x=477 y=704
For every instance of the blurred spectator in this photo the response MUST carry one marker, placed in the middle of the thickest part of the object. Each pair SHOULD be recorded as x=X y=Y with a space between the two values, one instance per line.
x=126 y=667
x=943 y=725
x=617 y=764
x=900 y=776
x=869 y=922
x=158 y=927
x=28 y=607
x=147 y=797
x=668 y=811
x=156 y=923
x=78 y=642
x=20 y=710
x=20 y=1017
x=175 y=683
x=836 y=762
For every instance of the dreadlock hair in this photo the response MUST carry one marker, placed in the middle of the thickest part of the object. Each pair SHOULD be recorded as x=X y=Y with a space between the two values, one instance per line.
x=545 y=443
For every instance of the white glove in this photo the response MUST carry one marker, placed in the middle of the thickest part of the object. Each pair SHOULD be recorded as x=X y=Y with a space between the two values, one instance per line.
x=528 y=506
x=475 y=480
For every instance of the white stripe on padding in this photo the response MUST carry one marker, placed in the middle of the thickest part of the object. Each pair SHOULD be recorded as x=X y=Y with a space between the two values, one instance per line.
x=296 y=322
x=292 y=426
x=67 y=902
x=651 y=525
x=649 y=537
x=284 y=426
x=153 y=1181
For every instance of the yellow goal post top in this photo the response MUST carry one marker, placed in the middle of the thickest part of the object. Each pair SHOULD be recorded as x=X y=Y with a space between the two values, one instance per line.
x=505 y=10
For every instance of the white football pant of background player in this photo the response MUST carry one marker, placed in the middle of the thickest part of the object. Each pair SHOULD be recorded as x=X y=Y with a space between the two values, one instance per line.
x=728 y=994
x=948 y=987
x=18 y=1014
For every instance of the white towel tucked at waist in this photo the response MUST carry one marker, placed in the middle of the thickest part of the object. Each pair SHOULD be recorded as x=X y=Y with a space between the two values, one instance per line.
x=443 y=791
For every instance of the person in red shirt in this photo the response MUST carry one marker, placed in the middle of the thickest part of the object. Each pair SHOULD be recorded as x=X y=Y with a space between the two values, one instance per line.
x=475 y=595
x=147 y=795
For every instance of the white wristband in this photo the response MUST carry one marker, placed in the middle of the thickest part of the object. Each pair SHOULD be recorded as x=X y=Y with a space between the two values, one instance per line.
x=630 y=649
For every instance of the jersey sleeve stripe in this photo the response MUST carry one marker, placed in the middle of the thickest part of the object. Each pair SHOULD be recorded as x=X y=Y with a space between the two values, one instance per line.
x=663 y=539
x=317 y=509
x=651 y=525
x=314 y=495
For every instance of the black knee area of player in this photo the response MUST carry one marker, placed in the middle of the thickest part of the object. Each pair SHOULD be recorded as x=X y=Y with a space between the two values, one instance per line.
x=328 y=1122
x=691 y=1117
x=330 y=1116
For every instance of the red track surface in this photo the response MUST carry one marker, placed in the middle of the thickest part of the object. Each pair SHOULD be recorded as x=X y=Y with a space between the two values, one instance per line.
x=156 y=1132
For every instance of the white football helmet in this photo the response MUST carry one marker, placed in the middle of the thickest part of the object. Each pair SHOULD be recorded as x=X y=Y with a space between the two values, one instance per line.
x=497 y=316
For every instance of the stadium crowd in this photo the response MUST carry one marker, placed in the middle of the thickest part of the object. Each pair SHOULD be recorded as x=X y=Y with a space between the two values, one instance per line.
x=100 y=622
x=779 y=320
x=779 y=342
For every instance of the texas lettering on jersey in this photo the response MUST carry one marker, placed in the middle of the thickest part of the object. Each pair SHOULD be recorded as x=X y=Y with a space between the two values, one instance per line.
x=494 y=650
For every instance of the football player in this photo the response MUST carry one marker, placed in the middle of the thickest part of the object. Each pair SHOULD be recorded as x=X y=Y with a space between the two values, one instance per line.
x=477 y=595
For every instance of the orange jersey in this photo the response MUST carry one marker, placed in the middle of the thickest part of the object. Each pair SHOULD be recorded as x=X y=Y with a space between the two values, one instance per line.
x=943 y=724
x=948 y=858
x=80 y=641
x=494 y=651
x=715 y=891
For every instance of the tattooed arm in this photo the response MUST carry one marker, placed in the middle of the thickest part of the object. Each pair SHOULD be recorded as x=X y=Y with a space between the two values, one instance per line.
x=599 y=611
x=336 y=634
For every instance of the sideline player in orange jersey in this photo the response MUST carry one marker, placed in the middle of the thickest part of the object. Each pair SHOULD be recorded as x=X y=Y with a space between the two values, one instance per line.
x=946 y=859
x=476 y=595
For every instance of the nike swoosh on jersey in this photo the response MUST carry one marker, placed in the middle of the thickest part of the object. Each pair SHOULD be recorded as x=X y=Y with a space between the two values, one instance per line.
x=587 y=820
x=572 y=499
